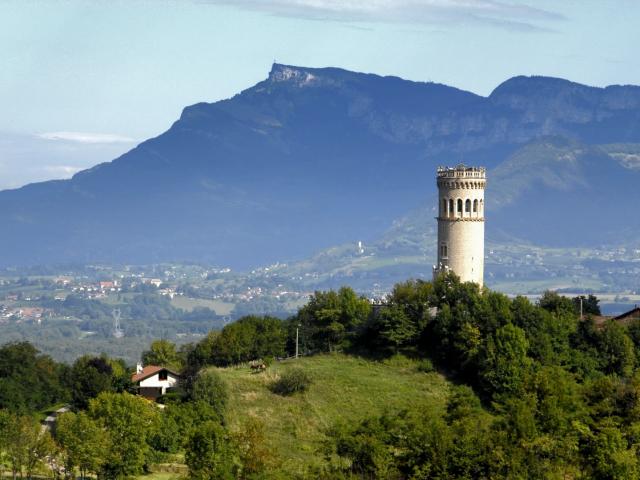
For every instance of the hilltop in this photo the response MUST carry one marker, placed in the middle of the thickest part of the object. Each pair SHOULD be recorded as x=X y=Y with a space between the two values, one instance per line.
x=345 y=389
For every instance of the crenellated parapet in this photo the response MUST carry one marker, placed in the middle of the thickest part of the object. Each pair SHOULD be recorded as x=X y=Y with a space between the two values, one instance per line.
x=461 y=177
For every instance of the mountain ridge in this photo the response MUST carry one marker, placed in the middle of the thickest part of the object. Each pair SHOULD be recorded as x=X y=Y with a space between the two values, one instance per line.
x=303 y=160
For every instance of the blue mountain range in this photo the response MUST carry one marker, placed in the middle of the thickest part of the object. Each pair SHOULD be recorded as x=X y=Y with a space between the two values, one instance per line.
x=311 y=158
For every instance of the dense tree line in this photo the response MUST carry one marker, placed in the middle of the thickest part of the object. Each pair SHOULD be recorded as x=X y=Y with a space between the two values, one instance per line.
x=542 y=393
x=145 y=311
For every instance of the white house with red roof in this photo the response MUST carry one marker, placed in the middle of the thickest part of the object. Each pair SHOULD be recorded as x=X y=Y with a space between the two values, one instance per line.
x=153 y=381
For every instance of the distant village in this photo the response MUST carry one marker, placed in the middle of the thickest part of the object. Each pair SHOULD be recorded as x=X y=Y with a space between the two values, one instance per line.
x=34 y=299
x=30 y=297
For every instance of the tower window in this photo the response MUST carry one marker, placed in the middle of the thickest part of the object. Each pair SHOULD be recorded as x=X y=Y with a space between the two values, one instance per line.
x=450 y=207
x=443 y=251
x=467 y=206
x=475 y=205
x=444 y=207
x=459 y=205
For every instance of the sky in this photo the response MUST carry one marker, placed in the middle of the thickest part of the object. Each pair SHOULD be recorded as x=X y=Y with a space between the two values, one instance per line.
x=82 y=82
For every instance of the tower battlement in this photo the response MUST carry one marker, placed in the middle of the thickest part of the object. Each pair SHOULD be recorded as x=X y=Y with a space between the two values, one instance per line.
x=461 y=221
x=462 y=171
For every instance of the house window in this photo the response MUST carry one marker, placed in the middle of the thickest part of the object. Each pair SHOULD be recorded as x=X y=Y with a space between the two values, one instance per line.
x=162 y=375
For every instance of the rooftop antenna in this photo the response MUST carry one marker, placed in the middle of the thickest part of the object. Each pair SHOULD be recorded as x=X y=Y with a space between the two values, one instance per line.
x=117 y=330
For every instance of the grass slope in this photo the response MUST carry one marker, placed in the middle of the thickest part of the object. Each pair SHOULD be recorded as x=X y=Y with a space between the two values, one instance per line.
x=344 y=389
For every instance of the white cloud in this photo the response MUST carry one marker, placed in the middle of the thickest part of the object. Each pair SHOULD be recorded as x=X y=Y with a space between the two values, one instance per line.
x=31 y=158
x=503 y=14
x=85 y=137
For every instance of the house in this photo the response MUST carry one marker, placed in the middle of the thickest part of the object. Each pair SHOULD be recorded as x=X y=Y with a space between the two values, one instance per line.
x=630 y=315
x=153 y=381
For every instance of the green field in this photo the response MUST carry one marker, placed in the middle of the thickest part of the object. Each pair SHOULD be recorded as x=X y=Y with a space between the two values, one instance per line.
x=344 y=389
x=518 y=287
x=186 y=303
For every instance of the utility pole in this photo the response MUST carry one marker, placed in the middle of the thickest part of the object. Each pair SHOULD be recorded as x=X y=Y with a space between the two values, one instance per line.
x=297 y=328
x=580 y=307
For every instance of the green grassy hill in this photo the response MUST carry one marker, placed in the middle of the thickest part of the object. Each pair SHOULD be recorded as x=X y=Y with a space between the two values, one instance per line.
x=344 y=389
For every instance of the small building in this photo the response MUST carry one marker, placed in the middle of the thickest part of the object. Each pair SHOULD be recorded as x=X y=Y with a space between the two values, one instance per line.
x=632 y=314
x=153 y=381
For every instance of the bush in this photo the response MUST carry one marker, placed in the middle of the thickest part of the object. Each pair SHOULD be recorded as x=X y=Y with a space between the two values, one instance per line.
x=399 y=361
x=292 y=381
x=426 y=366
x=173 y=395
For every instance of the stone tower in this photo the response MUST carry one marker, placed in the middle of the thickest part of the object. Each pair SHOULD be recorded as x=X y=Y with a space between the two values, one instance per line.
x=461 y=222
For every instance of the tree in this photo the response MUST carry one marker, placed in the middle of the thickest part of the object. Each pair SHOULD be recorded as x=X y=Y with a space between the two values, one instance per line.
x=331 y=320
x=26 y=444
x=555 y=303
x=162 y=353
x=197 y=356
x=394 y=329
x=28 y=380
x=616 y=349
x=177 y=422
x=590 y=304
x=505 y=362
x=83 y=441
x=607 y=454
x=208 y=453
x=6 y=424
x=252 y=447
x=89 y=377
x=415 y=297
x=249 y=338
x=129 y=421
x=209 y=387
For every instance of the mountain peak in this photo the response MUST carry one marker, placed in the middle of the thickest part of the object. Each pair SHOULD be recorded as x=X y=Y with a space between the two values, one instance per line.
x=288 y=73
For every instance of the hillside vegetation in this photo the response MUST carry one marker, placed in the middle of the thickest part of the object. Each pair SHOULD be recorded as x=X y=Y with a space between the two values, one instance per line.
x=344 y=389
x=540 y=391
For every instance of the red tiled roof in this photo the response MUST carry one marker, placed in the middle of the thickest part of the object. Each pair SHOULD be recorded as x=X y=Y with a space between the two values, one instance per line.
x=149 y=371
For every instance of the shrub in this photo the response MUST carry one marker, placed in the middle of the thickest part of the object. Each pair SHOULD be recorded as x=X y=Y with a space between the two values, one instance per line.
x=399 y=361
x=292 y=381
x=173 y=395
x=426 y=366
